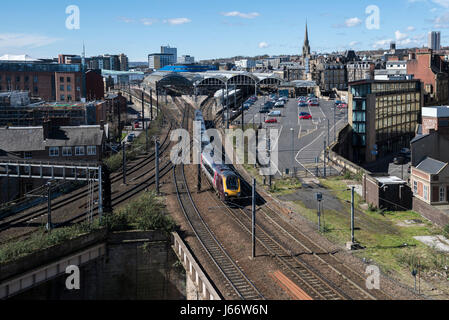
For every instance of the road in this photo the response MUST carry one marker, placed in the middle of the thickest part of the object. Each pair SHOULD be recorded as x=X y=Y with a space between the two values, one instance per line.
x=306 y=136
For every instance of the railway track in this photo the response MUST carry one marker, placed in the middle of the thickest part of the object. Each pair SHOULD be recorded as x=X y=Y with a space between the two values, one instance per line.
x=239 y=282
x=82 y=194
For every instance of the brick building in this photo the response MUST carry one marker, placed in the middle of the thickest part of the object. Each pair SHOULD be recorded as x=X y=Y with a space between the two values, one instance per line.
x=430 y=181
x=94 y=85
x=433 y=71
x=49 y=142
x=387 y=192
x=42 y=80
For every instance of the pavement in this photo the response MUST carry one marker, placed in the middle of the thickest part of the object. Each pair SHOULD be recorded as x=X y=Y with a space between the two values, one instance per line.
x=306 y=136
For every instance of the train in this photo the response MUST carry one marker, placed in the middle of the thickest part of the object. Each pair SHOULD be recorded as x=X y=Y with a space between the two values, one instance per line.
x=225 y=181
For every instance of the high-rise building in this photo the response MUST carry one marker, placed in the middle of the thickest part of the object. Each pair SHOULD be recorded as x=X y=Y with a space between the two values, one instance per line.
x=435 y=40
x=157 y=61
x=123 y=59
x=170 y=51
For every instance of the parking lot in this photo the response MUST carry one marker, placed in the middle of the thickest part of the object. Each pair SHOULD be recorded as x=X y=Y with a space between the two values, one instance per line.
x=300 y=141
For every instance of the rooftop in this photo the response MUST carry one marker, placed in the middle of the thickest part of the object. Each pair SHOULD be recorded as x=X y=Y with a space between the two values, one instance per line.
x=18 y=139
x=431 y=166
x=436 y=112
x=389 y=180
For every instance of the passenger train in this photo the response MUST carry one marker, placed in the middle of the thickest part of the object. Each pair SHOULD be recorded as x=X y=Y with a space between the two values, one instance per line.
x=224 y=180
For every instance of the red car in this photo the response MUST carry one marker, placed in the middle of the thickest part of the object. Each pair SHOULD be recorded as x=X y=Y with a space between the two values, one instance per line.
x=342 y=106
x=273 y=120
x=314 y=104
x=305 y=116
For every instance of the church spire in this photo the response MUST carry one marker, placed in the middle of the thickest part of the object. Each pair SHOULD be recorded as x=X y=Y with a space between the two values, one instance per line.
x=306 y=47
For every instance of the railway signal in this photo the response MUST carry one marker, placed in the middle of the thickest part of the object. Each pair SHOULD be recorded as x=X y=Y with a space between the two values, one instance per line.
x=319 y=198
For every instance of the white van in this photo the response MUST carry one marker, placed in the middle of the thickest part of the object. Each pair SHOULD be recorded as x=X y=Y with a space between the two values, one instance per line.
x=274 y=114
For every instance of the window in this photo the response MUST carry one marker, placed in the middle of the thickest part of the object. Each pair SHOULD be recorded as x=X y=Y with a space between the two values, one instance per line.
x=69 y=79
x=36 y=90
x=69 y=98
x=79 y=151
x=35 y=79
x=54 y=152
x=61 y=79
x=426 y=192
x=27 y=155
x=67 y=152
x=415 y=187
x=91 y=150
x=61 y=87
x=62 y=97
x=442 y=194
x=69 y=87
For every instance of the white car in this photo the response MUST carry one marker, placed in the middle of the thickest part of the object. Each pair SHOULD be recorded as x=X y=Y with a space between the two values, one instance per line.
x=279 y=104
x=274 y=114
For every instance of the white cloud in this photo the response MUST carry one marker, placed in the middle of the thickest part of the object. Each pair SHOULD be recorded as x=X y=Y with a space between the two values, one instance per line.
x=126 y=20
x=263 y=45
x=411 y=28
x=353 y=22
x=177 y=21
x=443 y=3
x=382 y=43
x=354 y=43
x=251 y=15
x=400 y=36
x=20 y=40
x=148 y=21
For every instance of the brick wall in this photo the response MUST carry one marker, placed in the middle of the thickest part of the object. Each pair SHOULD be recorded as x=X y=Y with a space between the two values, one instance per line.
x=431 y=213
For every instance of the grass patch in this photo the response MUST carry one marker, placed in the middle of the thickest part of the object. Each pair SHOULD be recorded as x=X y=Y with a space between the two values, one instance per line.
x=390 y=245
x=286 y=186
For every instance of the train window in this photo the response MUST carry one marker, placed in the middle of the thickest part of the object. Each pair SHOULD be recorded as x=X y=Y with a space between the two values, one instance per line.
x=209 y=169
x=232 y=183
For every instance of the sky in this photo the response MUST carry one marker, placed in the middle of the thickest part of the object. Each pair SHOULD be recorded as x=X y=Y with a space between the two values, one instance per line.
x=209 y=29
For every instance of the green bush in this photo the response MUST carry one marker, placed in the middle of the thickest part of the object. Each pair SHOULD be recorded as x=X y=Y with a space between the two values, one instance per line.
x=145 y=213
x=446 y=231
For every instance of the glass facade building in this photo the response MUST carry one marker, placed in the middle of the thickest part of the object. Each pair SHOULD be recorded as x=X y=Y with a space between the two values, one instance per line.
x=383 y=116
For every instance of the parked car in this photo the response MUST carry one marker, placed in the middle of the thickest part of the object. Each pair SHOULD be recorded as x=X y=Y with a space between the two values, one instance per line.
x=305 y=116
x=264 y=110
x=279 y=104
x=342 y=106
x=400 y=160
x=337 y=102
x=136 y=124
x=272 y=120
x=302 y=104
x=274 y=114
x=131 y=137
x=405 y=152
x=314 y=104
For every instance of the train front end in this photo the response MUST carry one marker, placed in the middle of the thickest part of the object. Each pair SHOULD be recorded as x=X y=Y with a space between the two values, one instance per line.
x=232 y=187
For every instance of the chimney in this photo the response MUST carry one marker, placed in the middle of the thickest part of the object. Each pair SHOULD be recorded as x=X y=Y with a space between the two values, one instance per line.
x=46 y=127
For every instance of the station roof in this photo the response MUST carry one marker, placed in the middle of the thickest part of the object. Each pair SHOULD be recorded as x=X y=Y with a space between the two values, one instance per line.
x=195 y=78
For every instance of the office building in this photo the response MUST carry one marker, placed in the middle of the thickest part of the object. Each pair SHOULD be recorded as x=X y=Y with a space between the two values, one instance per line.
x=434 y=40
x=157 y=61
x=186 y=59
x=384 y=116
x=173 y=59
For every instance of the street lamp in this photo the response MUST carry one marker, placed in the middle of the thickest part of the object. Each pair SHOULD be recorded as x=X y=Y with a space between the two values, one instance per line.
x=293 y=148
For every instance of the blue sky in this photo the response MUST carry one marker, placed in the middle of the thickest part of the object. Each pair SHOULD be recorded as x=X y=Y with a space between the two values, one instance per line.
x=214 y=29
